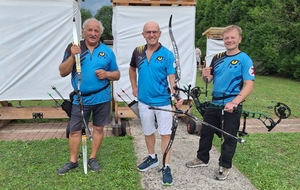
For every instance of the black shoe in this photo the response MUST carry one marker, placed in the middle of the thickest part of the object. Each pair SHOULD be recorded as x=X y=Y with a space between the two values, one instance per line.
x=167 y=178
x=92 y=163
x=67 y=167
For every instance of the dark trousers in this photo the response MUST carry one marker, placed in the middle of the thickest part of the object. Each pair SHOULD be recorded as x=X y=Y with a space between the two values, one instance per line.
x=231 y=125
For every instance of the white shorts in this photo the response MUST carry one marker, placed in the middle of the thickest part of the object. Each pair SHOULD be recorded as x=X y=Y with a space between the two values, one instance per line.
x=164 y=119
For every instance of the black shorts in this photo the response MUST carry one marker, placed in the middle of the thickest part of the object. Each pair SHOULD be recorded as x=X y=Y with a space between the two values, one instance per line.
x=100 y=116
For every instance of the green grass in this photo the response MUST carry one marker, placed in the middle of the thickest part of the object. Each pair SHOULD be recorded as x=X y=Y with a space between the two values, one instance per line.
x=270 y=160
x=268 y=91
x=33 y=165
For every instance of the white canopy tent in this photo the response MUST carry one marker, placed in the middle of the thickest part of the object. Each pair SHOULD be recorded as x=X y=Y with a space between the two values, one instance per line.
x=128 y=22
x=33 y=38
x=214 y=43
x=213 y=47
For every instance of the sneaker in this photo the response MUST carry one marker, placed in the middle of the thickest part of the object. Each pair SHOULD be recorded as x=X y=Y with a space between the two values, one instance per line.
x=67 y=167
x=167 y=178
x=196 y=163
x=92 y=163
x=222 y=175
x=148 y=164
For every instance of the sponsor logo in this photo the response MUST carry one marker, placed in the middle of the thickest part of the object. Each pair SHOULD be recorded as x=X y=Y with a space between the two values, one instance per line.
x=251 y=71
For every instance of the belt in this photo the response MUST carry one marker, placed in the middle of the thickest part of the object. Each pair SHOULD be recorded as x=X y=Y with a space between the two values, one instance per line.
x=215 y=106
x=95 y=92
x=224 y=97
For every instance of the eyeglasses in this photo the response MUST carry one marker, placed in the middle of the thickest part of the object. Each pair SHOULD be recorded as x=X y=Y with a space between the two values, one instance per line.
x=149 y=32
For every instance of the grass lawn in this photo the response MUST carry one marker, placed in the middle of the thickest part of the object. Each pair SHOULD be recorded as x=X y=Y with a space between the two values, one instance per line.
x=269 y=160
x=33 y=165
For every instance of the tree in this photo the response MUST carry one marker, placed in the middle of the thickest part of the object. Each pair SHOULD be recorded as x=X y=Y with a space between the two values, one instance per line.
x=105 y=16
x=85 y=14
x=275 y=29
x=271 y=31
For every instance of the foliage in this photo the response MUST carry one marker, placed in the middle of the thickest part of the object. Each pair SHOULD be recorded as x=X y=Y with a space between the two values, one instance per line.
x=85 y=14
x=33 y=165
x=270 y=31
x=105 y=16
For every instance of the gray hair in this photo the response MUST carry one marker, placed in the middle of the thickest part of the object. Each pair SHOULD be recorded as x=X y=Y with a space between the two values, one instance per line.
x=231 y=27
x=100 y=24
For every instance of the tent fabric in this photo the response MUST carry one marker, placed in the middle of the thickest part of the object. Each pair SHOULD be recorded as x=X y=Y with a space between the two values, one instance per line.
x=127 y=26
x=213 y=47
x=33 y=38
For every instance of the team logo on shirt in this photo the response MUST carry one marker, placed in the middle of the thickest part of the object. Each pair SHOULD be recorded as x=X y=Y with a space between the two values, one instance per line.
x=101 y=54
x=159 y=58
x=234 y=62
x=251 y=71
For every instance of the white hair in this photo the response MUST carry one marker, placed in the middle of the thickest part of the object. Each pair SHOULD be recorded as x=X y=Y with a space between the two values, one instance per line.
x=100 y=24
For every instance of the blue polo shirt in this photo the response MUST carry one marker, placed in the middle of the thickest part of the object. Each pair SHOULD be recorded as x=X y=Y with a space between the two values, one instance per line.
x=229 y=73
x=101 y=58
x=153 y=86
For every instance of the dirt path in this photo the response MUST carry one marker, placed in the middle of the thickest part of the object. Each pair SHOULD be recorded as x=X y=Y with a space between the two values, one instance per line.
x=184 y=149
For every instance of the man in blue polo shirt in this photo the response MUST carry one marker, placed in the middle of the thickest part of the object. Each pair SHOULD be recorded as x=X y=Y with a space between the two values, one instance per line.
x=232 y=74
x=156 y=76
x=98 y=68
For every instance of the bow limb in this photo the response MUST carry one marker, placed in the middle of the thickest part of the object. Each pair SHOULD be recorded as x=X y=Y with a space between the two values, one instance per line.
x=268 y=122
x=77 y=56
x=78 y=70
x=177 y=61
x=281 y=110
x=176 y=94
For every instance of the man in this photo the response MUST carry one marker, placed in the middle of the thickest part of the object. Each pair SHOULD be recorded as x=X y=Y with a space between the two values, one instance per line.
x=198 y=56
x=98 y=68
x=155 y=65
x=233 y=75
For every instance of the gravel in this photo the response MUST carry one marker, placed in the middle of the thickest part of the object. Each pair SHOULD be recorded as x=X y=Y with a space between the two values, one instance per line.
x=184 y=149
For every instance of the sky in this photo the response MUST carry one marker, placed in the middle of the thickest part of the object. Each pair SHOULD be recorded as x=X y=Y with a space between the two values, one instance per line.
x=94 y=5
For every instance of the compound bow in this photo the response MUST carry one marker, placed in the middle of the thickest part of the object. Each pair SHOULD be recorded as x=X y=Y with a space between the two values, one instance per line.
x=281 y=110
